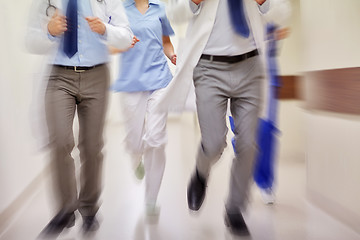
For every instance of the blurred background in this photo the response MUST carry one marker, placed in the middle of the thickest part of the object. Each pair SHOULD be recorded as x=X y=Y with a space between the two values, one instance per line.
x=318 y=167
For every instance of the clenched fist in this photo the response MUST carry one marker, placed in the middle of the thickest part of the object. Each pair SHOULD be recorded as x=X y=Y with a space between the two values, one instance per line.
x=96 y=25
x=57 y=24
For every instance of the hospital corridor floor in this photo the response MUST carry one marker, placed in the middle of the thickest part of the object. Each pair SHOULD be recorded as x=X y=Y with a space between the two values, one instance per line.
x=122 y=214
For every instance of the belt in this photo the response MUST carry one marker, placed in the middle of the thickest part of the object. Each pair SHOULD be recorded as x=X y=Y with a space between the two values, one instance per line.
x=230 y=59
x=78 y=68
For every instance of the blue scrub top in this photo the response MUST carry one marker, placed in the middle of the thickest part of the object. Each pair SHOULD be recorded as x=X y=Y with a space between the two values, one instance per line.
x=144 y=67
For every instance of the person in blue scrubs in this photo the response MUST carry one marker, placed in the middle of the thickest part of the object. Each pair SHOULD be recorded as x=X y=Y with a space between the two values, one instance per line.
x=144 y=73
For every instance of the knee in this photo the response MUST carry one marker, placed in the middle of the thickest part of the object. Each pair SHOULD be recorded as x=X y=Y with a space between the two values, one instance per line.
x=213 y=148
x=91 y=148
x=63 y=144
x=244 y=145
x=155 y=139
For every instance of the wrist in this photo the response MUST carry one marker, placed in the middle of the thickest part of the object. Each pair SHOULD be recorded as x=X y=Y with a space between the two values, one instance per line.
x=103 y=29
x=49 y=31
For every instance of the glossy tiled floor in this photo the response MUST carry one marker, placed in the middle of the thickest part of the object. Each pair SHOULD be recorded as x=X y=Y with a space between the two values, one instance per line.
x=292 y=217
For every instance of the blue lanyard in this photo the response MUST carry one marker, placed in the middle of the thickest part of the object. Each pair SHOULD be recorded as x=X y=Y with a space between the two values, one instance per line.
x=273 y=73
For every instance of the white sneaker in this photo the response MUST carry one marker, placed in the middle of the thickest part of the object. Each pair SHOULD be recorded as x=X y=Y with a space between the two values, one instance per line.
x=267 y=195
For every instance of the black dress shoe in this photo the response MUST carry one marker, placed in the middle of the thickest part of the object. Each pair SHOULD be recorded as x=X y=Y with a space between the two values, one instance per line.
x=196 y=191
x=90 y=224
x=58 y=223
x=237 y=224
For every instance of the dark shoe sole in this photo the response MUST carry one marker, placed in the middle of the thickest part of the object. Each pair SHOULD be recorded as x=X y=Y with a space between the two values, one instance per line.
x=237 y=232
x=195 y=208
x=195 y=181
x=52 y=231
x=90 y=227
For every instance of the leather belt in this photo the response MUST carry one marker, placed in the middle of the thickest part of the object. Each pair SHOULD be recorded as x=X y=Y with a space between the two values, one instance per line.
x=78 y=68
x=230 y=59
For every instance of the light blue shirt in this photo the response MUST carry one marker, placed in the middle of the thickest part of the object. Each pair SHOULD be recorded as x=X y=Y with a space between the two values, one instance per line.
x=144 y=67
x=91 y=49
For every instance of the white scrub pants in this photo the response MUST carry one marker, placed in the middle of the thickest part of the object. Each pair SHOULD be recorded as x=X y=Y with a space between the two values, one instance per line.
x=146 y=137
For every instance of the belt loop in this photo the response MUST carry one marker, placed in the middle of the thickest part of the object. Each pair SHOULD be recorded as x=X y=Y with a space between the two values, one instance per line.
x=78 y=71
x=211 y=58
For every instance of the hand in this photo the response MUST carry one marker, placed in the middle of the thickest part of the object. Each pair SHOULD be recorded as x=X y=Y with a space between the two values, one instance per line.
x=260 y=2
x=197 y=2
x=135 y=40
x=96 y=25
x=57 y=24
x=173 y=59
x=282 y=33
x=114 y=50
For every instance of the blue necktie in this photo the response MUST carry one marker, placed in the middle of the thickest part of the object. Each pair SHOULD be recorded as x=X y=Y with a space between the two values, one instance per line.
x=70 y=36
x=238 y=19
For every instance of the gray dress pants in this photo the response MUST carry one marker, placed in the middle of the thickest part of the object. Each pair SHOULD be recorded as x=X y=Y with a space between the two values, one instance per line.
x=215 y=83
x=87 y=93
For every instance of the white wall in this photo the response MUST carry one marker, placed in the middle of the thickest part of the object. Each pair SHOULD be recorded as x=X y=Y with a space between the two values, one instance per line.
x=290 y=48
x=20 y=160
x=290 y=114
x=333 y=164
x=331 y=33
x=331 y=36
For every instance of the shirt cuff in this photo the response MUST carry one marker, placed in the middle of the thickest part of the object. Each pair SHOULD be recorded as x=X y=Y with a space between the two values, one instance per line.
x=264 y=8
x=51 y=37
x=105 y=35
x=195 y=8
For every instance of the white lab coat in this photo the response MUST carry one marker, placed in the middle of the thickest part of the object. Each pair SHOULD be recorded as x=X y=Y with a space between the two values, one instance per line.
x=192 y=46
x=111 y=12
x=280 y=13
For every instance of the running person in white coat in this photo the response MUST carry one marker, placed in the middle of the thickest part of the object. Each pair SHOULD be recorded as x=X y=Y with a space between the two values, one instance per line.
x=76 y=34
x=221 y=53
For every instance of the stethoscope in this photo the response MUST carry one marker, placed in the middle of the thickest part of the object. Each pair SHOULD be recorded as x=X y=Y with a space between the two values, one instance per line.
x=53 y=8
x=50 y=7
